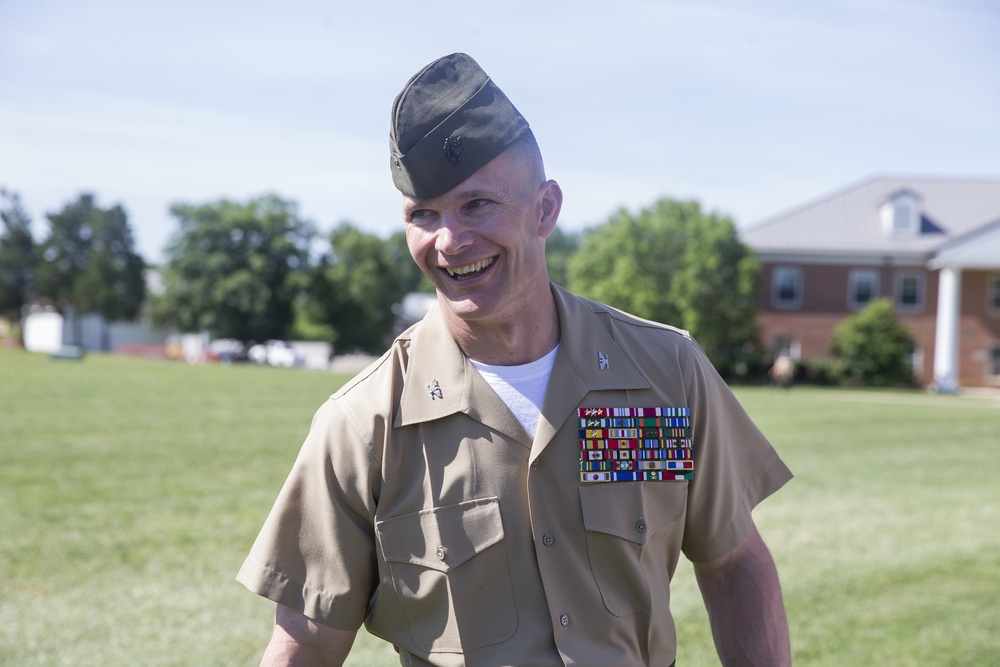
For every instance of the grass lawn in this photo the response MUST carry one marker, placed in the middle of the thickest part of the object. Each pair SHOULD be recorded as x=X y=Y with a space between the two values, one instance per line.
x=130 y=491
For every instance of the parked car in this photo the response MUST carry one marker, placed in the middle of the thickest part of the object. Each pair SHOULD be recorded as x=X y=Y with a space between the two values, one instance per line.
x=227 y=350
x=273 y=353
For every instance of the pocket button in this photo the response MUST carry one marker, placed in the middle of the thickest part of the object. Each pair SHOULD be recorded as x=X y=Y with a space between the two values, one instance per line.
x=640 y=525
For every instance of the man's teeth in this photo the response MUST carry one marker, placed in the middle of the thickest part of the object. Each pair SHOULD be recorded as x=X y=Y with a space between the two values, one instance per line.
x=470 y=268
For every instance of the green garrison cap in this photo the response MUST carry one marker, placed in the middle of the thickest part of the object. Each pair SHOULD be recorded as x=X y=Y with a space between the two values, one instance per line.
x=449 y=121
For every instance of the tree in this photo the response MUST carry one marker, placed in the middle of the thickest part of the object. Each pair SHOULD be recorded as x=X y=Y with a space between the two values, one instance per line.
x=65 y=251
x=672 y=263
x=715 y=290
x=873 y=347
x=113 y=280
x=355 y=285
x=408 y=274
x=18 y=258
x=235 y=269
x=626 y=263
x=559 y=248
x=89 y=262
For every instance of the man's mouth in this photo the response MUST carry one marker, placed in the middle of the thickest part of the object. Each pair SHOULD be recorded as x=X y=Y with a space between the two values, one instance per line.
x=470 y=270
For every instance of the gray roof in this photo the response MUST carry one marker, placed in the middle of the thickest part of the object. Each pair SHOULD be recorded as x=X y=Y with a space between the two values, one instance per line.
x=849 y=222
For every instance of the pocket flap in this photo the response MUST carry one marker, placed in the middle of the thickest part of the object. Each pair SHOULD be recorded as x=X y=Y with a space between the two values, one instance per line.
x=441 y=538
x=632 y=510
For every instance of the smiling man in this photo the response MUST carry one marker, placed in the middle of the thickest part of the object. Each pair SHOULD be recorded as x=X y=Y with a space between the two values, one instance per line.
x=482 y=244
x=514 y=481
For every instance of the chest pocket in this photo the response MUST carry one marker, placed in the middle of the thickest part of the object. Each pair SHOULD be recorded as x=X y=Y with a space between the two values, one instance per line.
x=634 y=533
x=450 y=574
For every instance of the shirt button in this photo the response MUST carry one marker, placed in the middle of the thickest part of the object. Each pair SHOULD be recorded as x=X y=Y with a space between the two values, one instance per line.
x=564 y=620
x=640 y=525
x=548 y=540
x=442 y=552
x=534 y=464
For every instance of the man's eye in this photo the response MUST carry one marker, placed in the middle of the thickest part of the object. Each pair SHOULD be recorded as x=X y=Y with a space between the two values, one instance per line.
x=418 y=215
x=477 y=203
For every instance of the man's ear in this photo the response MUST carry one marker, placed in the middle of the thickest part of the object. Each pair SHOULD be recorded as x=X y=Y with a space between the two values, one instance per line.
x=551 y=203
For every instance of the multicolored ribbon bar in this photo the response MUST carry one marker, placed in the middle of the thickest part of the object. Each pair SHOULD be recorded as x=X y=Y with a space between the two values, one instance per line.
x=681 y=432
x=626 y=422
x=623 y=465
x=635 y=444
x=633 y=412
x=639 y=454
x=645 y=476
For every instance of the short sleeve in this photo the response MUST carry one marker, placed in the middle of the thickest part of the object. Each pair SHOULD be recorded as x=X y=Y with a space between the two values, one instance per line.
x=316 y=551
x=735 y=465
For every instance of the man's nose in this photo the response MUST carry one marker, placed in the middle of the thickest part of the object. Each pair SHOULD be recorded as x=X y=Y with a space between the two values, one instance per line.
x=453 y=235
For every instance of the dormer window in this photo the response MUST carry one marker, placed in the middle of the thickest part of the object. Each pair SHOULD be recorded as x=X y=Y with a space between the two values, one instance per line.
x=901 y=214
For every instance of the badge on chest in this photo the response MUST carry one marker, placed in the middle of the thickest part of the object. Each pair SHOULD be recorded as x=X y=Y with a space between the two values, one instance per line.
x=635 y=444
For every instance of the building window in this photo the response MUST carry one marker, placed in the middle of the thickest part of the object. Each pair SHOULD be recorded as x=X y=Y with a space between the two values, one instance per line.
x=910 y=291
x=862 y=288
x=901 y=214
x=993 y=295
x=993 y=363
x=786 y=290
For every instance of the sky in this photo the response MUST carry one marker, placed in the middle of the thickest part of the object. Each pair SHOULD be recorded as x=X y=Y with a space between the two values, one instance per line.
x=750 y=107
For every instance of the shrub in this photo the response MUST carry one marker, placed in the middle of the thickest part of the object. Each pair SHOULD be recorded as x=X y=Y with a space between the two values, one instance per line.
x=872 y=347
x=817 y=371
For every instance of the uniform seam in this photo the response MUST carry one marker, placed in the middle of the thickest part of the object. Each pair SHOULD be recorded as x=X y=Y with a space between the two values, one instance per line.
x=352 y=418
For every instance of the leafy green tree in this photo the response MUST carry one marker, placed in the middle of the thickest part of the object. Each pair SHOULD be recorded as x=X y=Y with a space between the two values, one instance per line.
x=66 y=249
x=715 y=290
x=873 y=347
x=355 y=286
x=408 y=274
x=626 y=264
x=89 y=262
x=235 y=269
x=112 y=282
x=18 y=258
x=675 y=264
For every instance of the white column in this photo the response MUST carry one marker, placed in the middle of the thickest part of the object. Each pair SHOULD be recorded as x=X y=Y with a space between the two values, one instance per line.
x=946 y=339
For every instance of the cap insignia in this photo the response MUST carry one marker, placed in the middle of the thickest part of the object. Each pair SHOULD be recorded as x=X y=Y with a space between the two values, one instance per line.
x=453 y=148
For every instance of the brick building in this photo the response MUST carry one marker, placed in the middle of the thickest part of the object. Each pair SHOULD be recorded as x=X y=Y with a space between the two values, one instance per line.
x=930 y=245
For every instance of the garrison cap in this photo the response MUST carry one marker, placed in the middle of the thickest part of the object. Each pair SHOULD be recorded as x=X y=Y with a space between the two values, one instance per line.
x=449 y=120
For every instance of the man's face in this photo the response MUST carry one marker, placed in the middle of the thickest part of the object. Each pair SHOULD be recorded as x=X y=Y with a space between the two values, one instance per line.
x=482 y=243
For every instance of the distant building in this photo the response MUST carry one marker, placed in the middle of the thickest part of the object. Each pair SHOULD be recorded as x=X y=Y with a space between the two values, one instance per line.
x=932 y=246
x=46 y=330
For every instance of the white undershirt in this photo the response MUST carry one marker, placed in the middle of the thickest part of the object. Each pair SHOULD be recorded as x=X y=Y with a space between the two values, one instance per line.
x=522 y=387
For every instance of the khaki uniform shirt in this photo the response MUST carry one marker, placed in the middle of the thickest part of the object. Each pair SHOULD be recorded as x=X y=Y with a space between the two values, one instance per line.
x=420 y=506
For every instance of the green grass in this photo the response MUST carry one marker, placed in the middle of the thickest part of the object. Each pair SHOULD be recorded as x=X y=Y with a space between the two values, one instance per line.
x=130 y=491
x=887 y=541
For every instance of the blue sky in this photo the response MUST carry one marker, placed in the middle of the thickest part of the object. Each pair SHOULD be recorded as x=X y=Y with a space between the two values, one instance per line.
x=751 y=108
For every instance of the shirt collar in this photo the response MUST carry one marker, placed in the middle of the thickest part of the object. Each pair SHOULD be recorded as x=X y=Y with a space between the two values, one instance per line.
x=438 y=380
x=435 y=378
x=587 y=339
